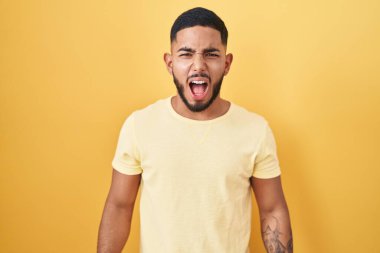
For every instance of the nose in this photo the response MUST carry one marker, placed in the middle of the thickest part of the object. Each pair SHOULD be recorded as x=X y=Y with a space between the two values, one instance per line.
x=199 y=63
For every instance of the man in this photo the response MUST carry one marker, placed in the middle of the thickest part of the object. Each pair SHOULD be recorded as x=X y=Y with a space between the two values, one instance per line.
x=197 y=156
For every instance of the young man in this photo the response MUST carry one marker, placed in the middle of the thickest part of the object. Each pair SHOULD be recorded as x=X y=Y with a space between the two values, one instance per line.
x=197 y=156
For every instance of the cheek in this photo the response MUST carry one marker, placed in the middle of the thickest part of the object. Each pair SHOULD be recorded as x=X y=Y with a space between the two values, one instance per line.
x=182 y=65
x=217 y=69
x=181 y=69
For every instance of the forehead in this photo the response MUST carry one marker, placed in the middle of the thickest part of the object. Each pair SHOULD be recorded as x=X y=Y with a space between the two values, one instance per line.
x=198 y=37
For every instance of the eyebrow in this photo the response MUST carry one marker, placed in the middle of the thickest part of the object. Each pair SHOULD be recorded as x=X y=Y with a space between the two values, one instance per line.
x=186 y=49
x=206 y=50
x=210 y=50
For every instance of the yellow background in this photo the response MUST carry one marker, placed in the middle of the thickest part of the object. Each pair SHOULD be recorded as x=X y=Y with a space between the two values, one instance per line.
x=71 y=71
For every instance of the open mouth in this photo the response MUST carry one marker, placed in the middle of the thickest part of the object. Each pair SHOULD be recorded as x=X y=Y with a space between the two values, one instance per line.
x=198 y=88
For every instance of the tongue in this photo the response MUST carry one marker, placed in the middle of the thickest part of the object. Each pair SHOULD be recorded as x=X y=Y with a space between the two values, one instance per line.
x=198 y=89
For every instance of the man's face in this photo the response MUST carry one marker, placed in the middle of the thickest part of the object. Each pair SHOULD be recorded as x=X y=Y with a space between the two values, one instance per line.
x=198 y=63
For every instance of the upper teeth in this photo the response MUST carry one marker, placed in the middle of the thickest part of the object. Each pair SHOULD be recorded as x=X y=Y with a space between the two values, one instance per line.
x=198 y=82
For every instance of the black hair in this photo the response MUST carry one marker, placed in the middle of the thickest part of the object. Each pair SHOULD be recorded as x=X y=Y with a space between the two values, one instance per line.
x=202 y=17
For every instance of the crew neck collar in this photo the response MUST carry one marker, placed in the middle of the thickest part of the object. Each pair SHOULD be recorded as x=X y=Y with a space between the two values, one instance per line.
x=168 y=102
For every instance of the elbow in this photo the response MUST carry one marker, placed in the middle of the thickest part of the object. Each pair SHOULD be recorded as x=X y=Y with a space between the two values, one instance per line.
x=278 y=210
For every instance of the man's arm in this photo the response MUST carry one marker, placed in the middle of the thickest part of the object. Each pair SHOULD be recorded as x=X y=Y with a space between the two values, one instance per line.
x=117 y=215
x=274 y=215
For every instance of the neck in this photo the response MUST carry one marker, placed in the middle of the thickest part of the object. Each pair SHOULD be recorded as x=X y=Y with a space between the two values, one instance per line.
x=216 y=109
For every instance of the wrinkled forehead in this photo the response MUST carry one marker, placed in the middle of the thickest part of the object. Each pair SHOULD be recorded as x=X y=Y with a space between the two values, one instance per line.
x=198 y=38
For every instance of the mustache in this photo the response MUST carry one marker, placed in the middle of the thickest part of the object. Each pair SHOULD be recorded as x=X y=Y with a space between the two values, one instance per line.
x=199 y=75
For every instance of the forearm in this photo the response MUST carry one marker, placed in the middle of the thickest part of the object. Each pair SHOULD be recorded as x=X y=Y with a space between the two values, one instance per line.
x=276 y=231
x=114 y=228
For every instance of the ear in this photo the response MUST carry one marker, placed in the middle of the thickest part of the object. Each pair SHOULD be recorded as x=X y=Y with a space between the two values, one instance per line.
x=168 y=58
x=229 y=58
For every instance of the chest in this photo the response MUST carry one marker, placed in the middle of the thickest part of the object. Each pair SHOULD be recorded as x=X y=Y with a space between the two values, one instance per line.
x=197 y=154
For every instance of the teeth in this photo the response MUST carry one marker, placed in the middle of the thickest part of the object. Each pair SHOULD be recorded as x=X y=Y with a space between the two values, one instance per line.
x=198 y=82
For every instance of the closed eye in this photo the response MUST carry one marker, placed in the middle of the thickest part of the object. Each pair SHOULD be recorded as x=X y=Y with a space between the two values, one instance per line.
x=212 y=55
x=185 y=54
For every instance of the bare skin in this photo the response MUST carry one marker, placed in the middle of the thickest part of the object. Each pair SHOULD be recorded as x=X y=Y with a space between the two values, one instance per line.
x=274 y=215
x=198 y=50
x=117 y=215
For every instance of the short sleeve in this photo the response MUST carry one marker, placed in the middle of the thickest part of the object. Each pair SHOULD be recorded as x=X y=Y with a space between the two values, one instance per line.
x=127 y=159
x=266 y=163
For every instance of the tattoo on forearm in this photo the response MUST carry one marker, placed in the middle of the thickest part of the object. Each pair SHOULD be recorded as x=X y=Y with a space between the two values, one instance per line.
x=271 y=238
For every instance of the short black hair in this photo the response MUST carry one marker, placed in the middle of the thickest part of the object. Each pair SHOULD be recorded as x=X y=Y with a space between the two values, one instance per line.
x=202 y=17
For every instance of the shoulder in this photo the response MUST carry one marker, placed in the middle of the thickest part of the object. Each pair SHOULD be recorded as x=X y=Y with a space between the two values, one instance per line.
x=152 y=112
x=248 y=118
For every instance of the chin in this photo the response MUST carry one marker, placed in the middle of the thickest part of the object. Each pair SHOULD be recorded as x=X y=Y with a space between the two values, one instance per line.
x=198 y=94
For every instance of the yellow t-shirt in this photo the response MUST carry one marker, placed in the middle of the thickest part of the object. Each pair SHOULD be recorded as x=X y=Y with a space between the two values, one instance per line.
x=195 y=188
